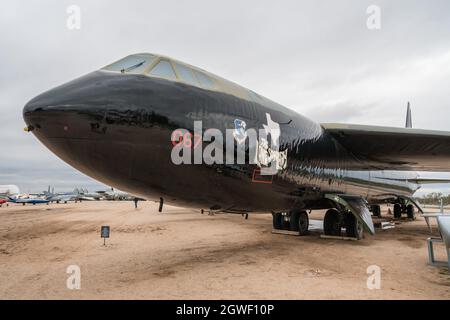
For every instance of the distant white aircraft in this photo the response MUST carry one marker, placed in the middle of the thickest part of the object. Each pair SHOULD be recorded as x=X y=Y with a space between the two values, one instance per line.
x=115 y=194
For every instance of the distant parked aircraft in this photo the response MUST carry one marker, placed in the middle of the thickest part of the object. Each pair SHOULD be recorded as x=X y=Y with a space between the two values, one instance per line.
x=114 y=194
x=60 y=197
x=84 y=194
x=25 y=201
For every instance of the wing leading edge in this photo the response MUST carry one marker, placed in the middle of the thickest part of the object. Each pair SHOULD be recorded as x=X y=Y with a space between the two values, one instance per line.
x=389 y=148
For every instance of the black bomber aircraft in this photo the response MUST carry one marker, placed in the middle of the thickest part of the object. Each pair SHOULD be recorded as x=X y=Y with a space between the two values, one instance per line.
x=122 y=124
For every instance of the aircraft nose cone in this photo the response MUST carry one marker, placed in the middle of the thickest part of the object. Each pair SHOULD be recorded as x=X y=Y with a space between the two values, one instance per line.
x=52 y=112
x=36 y=108
x=32 y=106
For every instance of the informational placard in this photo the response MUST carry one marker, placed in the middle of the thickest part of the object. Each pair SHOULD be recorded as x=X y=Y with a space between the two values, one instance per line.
x=104 y=233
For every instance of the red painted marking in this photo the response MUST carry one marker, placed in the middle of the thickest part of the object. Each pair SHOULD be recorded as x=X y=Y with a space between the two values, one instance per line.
x=177 y=137
x=258 y=178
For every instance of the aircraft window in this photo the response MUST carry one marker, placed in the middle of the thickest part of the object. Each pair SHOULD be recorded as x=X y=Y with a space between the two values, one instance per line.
x=204 y=80
x=131 y=64
x=164 y=70
x=186 y=74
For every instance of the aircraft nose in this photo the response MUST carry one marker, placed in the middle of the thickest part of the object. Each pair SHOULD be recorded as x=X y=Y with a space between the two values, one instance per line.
x=55 y=111
x=106 y=125
x=38 y=111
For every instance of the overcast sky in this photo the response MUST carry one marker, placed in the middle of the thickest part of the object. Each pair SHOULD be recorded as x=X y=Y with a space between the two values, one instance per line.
x=316 y=57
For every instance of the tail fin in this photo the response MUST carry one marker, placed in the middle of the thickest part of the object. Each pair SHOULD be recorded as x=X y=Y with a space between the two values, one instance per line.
x=408 y=117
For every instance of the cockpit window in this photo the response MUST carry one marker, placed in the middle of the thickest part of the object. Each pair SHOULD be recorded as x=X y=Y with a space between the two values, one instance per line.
x=132 y=64
x=186 y=74
x=204 y=80
x=164 y=70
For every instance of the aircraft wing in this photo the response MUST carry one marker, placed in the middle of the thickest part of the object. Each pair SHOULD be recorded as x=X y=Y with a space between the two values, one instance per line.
x=388 y=148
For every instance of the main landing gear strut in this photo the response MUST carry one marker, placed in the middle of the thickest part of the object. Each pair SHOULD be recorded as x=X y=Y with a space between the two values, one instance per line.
x=294 y=220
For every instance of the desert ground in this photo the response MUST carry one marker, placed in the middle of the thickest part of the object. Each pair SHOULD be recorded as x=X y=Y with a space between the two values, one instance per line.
x=182 y=254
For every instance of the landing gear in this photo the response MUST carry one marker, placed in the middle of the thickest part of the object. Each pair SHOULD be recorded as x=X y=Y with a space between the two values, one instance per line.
x=353 y=228
x=400 y=209
x=410 y=211
x=299 y=222
x=335 y=220
x=295 y=220
x=332 y=223
x=397 y=211
x=376 y=210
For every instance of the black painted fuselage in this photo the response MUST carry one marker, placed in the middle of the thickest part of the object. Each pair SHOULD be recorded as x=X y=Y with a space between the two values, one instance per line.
x=116 y=127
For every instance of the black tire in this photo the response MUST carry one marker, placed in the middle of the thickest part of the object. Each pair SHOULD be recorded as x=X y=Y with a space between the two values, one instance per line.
x=376 y=210
x=303 y=223
x=299 y=222
x=397 y=211
x=331 y=223
x=277 y=220
x=410 y=211
x=353 y=228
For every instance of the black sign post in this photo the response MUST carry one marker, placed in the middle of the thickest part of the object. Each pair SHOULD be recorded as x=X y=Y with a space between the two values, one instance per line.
x=104 y=233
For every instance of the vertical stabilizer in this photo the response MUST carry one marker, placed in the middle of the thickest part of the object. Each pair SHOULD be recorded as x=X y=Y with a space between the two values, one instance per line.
x=408 y=117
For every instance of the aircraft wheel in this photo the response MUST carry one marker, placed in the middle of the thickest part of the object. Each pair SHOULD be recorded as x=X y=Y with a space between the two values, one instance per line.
x=331 y=223
x=303 y=223
x=353 y=228
x=410 y=211
x=277 y=220
x=299 y=222
x=376 y=210
x=397 y=211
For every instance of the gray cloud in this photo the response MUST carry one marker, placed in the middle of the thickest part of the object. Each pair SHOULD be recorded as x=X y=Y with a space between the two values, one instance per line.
x=317 y=58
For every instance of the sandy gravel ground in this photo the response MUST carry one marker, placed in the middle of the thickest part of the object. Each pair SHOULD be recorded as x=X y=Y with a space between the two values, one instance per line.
x=181 y=254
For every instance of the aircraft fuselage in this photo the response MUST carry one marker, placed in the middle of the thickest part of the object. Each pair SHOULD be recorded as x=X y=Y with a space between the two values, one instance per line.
x=117 y=129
